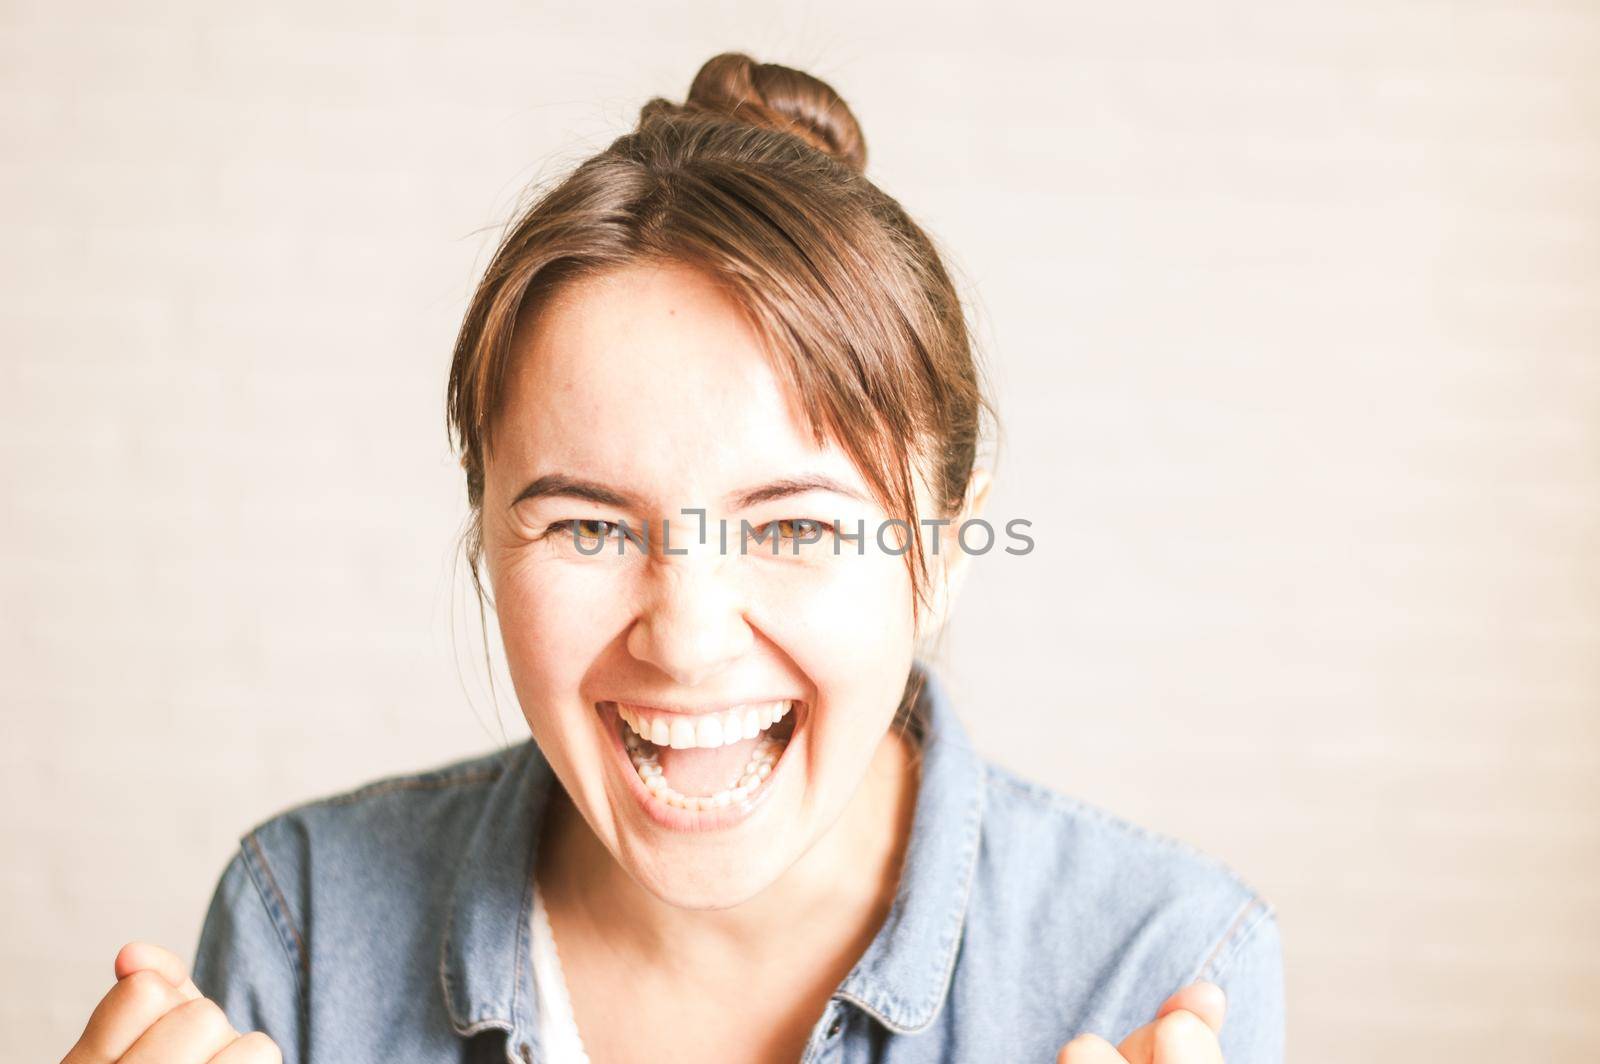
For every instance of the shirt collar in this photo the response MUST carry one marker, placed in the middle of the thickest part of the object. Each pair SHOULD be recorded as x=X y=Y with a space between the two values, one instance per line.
x=486 y=958
x=902 y=979
x=904 y=976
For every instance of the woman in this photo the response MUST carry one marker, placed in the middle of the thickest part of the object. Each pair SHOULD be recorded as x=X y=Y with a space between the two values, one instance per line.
x=714 y=398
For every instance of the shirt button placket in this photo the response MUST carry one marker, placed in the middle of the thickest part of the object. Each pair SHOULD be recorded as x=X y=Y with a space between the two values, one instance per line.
x=830 y=1047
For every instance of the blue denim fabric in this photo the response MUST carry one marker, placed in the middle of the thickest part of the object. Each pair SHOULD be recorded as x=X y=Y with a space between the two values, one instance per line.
x=391 y=923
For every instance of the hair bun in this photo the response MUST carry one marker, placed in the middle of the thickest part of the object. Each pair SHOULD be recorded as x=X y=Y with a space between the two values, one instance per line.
x=781 y=98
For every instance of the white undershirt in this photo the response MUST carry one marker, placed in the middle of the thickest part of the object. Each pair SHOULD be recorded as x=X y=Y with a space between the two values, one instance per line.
x=558 y=1030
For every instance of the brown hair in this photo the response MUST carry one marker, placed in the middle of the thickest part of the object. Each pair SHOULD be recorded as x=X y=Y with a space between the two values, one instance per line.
x=757 y=180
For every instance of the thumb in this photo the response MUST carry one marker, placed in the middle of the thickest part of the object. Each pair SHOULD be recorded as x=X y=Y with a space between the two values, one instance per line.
x=143 y=956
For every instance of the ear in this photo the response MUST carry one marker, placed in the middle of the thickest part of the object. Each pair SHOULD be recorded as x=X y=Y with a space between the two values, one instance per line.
x=950 y=564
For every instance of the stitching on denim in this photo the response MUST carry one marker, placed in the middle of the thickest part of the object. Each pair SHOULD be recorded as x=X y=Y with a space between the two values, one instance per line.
x=464 y=773
x=434 y=780
x=524 y=932
x=444 y=975
x=881 y=1005
x=1234 y=938
x=414 y=783
x=525 y=914
x=959 y=916
x=277 y=908
x=1070 y=805
x=461 y=1025
x=282 y=901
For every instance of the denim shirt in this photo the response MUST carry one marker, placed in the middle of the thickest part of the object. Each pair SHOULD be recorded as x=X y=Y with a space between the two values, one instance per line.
x=391 y=923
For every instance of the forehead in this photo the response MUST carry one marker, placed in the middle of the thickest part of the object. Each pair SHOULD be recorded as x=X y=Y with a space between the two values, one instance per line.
x=653 y=374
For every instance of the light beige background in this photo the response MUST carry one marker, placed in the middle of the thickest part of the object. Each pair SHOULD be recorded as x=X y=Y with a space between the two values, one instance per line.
x=1293 y=314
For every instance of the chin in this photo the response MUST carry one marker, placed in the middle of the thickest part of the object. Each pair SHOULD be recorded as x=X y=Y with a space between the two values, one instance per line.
x=714 y=885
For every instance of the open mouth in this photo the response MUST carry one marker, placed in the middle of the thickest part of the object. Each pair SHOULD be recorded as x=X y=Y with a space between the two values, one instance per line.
x=709 y=761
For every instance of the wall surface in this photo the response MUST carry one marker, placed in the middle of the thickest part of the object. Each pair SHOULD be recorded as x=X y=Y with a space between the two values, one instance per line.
x=1293 y=316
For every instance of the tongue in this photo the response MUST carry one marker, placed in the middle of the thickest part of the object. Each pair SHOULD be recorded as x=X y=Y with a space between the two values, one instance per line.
x=701 y=772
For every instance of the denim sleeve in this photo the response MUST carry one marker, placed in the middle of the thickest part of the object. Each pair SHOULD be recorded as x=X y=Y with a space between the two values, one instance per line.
x=246 y=957
x=1249 y=968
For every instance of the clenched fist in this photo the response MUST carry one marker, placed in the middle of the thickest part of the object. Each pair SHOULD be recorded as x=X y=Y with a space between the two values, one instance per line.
x=1183 y=1032
x=155 y=1015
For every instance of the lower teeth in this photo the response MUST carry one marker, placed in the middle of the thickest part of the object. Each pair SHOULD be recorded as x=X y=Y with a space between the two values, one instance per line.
x=754 y=773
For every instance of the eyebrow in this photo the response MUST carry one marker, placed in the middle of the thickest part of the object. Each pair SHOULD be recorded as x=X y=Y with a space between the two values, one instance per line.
x=561 y=485
x=787 y=486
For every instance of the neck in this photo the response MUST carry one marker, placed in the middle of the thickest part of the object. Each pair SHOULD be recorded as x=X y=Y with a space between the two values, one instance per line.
x=847 y=880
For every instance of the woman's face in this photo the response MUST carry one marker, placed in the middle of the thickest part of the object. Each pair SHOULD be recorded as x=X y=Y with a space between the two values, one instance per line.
x=635 y=396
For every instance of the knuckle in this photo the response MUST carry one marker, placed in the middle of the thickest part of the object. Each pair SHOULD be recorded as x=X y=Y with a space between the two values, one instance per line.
x=204 y=1016
x=1080 y=1049
x=1180 y=1029
x=146 y=989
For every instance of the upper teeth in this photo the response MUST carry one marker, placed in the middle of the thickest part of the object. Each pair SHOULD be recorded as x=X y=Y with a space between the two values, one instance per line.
x=722 y=728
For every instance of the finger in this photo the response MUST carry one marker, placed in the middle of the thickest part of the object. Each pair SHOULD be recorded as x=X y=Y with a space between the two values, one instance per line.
x=1181 y=1037
x=141 y=956
x=1140 y=1046
x=129 y=1009
x=253 y=1048
x=192 y=1033
x=1205 y=999
x=1089 y=1049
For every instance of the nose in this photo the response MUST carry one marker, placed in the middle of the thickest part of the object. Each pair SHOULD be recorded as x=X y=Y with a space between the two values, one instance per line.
x=692 y=625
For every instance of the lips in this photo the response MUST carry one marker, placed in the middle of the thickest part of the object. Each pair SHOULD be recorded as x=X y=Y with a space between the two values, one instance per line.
x=695 y=786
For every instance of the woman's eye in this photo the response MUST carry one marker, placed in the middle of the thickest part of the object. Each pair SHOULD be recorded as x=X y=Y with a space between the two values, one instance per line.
x=801 y=528
x=589 y=528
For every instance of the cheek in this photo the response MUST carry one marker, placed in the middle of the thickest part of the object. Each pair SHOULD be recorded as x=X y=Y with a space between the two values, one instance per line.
x=847 y=625
x=555 y=621
x=845 y=621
